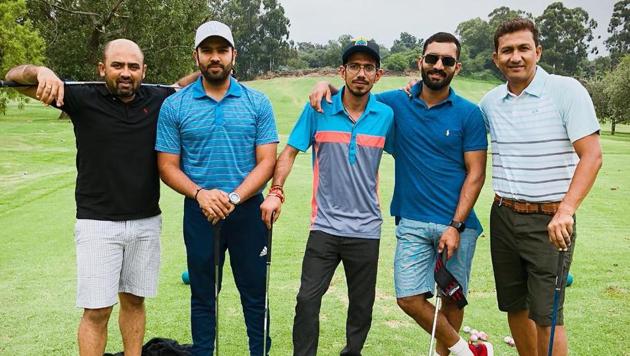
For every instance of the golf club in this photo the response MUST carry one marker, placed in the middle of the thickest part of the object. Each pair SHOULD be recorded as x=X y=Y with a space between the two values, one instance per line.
x=440 y=258
x=216 y=233
x=265 y=329
x=435 y=316
x=11 y=84
x=556 y=297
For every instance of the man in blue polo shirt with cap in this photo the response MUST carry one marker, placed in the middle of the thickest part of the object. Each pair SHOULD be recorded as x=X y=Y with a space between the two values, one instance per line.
x=440 y=153
x=217 y=146
x=348 y=138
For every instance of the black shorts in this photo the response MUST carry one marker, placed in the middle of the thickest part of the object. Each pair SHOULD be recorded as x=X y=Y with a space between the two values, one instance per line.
x=525 y=263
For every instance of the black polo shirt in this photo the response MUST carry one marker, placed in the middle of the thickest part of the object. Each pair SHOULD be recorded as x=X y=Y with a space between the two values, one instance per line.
x=117 y=176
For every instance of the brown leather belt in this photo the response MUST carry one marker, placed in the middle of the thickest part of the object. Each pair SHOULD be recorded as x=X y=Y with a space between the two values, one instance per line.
x=525 y=207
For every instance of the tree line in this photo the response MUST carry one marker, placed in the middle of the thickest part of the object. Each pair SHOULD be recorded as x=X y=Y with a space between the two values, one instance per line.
x=68 y=36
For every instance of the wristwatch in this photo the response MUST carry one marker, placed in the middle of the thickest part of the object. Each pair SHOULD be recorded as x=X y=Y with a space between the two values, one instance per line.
x=458 y=225
x=234 y=198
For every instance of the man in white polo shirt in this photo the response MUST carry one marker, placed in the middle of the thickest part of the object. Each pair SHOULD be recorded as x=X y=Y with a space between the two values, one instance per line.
x=545 y=158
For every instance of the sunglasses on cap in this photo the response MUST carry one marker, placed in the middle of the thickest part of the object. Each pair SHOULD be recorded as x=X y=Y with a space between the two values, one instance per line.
x=447 y=61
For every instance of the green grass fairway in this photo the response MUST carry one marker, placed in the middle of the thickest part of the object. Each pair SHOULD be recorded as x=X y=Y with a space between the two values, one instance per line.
x=37 y=258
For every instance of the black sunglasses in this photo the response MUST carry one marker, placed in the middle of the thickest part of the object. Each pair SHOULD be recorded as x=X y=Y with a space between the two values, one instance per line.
x=447 y=61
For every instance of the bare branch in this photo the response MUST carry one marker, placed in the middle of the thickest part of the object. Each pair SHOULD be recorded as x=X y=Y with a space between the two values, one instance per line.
x=111 y=14
x=74 y=12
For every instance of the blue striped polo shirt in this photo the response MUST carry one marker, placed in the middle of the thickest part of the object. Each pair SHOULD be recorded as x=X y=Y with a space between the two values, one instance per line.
x=216 y=140
x=346 y=157
x=533 y=133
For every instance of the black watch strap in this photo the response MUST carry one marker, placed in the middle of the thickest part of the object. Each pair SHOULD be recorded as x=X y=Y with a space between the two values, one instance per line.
x=458 y=225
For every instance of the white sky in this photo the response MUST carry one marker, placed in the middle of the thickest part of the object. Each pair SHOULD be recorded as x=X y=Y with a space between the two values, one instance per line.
x=318 y=21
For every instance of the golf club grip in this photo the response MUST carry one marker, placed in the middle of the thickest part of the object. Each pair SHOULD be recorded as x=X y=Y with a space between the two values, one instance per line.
x=560 y=270
x=12 y=84
x=269 y=239
x=216 y=233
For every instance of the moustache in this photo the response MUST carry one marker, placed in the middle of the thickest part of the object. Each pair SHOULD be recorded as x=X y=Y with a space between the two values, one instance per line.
x=216 y=65
x=124 y=81
x=437 y=71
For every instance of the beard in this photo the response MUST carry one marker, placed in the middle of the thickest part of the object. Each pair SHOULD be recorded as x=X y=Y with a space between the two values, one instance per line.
x=436 y=84
x=360 y=88
x=359 y=92
x=216 y=77
x=123 y=88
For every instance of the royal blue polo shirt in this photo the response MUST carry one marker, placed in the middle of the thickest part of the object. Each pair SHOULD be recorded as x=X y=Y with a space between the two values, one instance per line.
x=346 y=158
x=216 y=140
x=430 y=145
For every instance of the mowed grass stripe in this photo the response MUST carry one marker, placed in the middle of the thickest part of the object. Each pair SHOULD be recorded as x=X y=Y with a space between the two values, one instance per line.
x=37 y=261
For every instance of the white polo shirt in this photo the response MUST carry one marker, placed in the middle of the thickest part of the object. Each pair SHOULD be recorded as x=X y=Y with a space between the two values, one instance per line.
x=532 y=135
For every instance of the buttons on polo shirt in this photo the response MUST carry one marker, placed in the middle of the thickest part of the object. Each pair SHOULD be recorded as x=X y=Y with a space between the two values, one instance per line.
x=218 y=114
x=352 y=147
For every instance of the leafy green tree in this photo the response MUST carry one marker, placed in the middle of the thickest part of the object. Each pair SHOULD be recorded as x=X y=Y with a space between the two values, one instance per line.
x=332 y=53
x=610 y=95
x=384 y=51
x=261 y=32
x=328 y=55
x=618 y=91
x=565 y=35
x=274 y=36
x=19 y=43
x=618 y=44
x=596 y=88
x=311 y=53
x=598 y=67
x=76 y=31
x=402 y=61
x=406 y=42
x=504 y=13
x=475 y=36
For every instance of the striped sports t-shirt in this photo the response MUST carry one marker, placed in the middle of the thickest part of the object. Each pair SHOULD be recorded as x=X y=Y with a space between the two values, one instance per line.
x=346 y=158
x=533 y=133
x=216 y=140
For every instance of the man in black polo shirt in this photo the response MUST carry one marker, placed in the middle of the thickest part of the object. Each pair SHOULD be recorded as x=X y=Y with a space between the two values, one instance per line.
x=117 y=191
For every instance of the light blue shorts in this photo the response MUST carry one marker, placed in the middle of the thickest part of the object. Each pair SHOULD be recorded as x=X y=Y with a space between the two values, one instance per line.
x=416 y=253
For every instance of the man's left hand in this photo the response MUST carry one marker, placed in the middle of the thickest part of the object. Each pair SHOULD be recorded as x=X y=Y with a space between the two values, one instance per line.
x=560 y=229
x=449 y=241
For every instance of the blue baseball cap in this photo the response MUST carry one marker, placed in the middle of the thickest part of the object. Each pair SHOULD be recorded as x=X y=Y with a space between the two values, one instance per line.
x=361 y=44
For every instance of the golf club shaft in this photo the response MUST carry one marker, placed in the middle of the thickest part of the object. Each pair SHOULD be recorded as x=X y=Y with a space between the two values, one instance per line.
x=435 y=317
x=11 y=84
x=265 y=328
x=217 y=263
x=556 y=297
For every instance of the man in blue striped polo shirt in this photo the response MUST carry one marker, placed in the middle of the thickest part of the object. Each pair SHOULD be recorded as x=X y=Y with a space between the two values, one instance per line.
x=348 y=140
x=217 y=146
x=545 y=158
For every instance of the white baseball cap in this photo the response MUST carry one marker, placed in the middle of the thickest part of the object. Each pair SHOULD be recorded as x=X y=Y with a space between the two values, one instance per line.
x=213 y=28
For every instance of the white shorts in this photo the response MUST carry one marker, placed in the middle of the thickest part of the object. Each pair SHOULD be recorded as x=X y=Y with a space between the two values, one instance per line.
x=114 y=257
